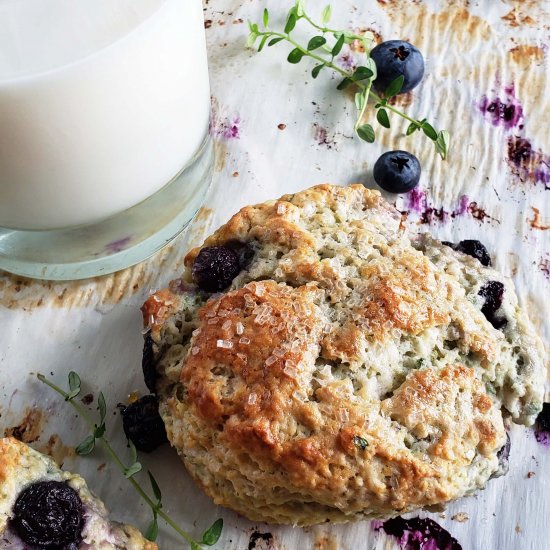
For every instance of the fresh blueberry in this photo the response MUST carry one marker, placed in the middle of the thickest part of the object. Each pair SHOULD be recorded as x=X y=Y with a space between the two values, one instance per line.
x=215 y=267
x=395 y=58
x=475 y=249
x=148 y=364
x=48 y=515
x=397 y=171
x=143 y=424
x=493 y=292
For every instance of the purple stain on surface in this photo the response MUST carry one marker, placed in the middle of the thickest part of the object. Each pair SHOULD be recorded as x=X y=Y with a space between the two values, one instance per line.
x=544 y=266
x=321 y=136
x=119 y=245
x=542 y=426
x=418 y=534
x=506 y=111
x=430 y=214
x=462 y=207
x=527 y=163
x=225 y=128
x=510 y=89
x=347 y=61
x=231 y=129
x=416 y=200
x=542 y=174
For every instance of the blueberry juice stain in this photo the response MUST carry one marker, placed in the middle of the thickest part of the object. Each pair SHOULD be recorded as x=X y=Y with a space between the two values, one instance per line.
x=542 y=426
x=261 y=541
x=507 y=113
x=418 y=534
x=528 y=163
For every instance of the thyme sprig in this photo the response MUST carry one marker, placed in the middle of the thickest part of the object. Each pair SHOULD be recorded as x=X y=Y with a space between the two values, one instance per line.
x=209 y=537
x=324 y=48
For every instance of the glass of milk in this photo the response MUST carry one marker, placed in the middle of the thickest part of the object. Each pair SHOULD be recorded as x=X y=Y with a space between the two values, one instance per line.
x=104 y=148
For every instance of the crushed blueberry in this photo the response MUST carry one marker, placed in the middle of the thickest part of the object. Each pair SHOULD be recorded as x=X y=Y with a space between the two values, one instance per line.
x=475 y=249
x=215 y=267
x=395 y=58
x=143 y=424
x=493 y=293
x=503 y=455
x=148 y=365
x=260 y=540
x=397 y=171
x=502 y=110
x=543 y=419
x=417 y=533
x=504 y=452
x=48 y=515
x=519 y=151
x=507 y=112
x=542 y=425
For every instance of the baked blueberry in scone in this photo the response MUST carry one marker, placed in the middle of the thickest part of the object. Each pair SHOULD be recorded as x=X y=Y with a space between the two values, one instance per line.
x=45 y=508
x=142 y=423
x=345 y=369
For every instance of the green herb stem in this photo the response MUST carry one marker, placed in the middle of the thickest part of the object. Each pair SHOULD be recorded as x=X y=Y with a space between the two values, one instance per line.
x=324 y=30
x=364 y=108
x=391 y=108
x=305 y=51
x=362 y=76
x=341 y=71
x=116 y=459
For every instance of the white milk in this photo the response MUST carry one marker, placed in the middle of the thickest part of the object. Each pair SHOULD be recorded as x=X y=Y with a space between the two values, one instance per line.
x=102 y=102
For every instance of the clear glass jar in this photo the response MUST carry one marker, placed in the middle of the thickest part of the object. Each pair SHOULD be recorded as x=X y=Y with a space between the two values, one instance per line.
x=104 y=147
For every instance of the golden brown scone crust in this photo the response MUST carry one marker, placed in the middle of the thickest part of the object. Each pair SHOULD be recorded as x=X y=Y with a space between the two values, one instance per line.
x=343 y=375
x=21 y=466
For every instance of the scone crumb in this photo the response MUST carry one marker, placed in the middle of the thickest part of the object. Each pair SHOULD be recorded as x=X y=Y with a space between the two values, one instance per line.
x=530 y=475
x=461 y=517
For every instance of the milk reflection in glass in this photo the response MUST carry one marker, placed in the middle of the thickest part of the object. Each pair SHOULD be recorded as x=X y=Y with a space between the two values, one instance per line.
x=102 y=103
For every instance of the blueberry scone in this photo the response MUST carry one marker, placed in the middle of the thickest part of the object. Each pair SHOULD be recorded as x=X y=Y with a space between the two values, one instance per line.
x=45 y=508
x=316 y=362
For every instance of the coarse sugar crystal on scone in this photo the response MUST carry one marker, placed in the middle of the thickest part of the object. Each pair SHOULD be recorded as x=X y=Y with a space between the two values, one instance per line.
x=348 y=370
